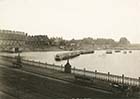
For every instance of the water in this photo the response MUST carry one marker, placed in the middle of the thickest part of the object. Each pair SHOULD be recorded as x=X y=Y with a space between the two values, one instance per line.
x=116 y=63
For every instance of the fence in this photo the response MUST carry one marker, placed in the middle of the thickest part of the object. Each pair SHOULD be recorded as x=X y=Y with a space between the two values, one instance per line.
x=91 y=74
x=45 y=65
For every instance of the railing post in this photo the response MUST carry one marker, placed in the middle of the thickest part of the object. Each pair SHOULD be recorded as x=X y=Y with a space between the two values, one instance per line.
x=61 y=67
x=73 y=70
x=46 y=64
x=139 y=81
x=95 y=73
x=108 y=75
x=84 y=71
x=122 y=78
x=39 y=63
x=53 y=66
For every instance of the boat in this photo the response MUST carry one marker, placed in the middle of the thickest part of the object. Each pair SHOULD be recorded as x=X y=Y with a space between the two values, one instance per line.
x=65 y=56
x=108 y=52
x=117 y=51
x=86 y=51
x=58 y=57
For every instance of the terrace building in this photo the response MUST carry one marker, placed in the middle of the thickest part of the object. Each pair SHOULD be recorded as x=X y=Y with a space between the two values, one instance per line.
x=12 y=41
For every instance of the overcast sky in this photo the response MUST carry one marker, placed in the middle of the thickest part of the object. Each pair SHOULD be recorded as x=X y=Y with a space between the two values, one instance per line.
x=73 y=18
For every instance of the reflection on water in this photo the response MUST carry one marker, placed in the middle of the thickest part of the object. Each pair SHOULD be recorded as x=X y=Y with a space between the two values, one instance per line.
x=116 y=63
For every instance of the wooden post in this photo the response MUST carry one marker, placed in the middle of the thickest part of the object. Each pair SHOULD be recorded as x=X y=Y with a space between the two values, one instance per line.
x=108 y=76
x=122 y=78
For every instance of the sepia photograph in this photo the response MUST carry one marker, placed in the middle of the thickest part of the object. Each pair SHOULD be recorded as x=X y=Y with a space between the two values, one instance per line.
x=69 y=49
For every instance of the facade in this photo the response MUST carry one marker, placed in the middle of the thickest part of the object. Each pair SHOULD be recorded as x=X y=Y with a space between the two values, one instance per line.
x=38 y=41
x=12 y=40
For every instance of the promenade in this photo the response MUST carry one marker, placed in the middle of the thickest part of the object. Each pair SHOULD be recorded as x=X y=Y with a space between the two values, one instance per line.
x=34 y=81
x=22 y=84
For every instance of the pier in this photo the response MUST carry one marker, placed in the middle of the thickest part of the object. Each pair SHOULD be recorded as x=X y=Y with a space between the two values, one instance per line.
x=69 y=55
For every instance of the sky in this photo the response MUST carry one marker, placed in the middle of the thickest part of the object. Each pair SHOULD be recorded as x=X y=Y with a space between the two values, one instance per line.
x=73 y=18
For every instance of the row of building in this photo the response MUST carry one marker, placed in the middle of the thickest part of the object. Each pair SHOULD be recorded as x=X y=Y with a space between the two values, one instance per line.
x=14 y=41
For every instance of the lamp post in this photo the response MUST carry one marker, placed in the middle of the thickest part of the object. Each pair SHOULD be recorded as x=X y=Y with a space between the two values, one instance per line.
x=68 y=67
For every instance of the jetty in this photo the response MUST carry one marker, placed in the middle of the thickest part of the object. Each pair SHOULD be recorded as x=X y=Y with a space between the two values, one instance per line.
x=68 y=55
x=65 y=56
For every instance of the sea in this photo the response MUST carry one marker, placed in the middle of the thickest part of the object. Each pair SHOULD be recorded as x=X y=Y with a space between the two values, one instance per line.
x=115 y=63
